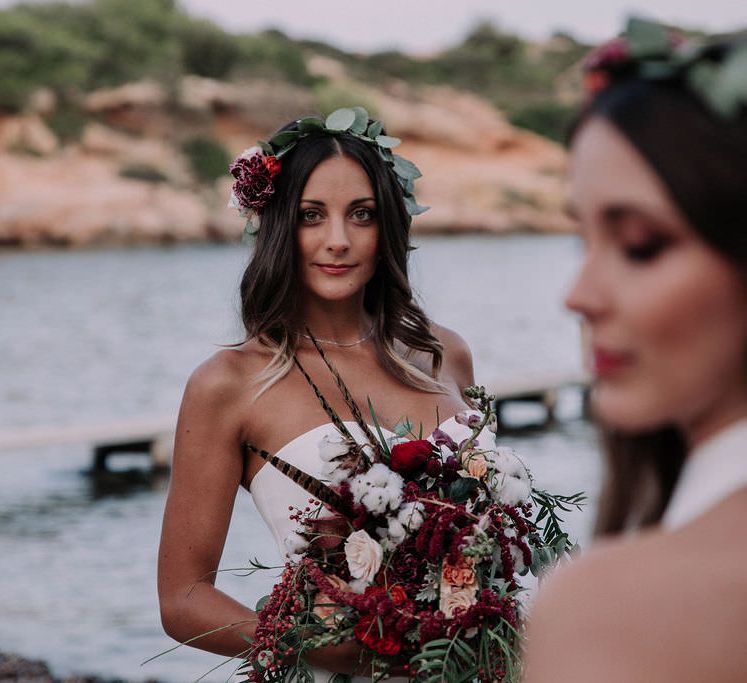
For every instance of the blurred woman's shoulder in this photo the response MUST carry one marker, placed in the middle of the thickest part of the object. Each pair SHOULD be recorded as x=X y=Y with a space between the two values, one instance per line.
x=657 y=594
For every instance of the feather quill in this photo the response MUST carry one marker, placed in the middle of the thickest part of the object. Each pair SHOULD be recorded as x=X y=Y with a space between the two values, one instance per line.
x=309 y=483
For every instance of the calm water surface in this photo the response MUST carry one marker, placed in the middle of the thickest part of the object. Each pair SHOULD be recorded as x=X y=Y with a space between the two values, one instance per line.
x=87 y=337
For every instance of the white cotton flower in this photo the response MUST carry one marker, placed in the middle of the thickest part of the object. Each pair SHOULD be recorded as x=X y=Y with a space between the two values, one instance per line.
x=334 y=473
x=364 y=555
x=396 y=531
x=378 y=490
x=510 y=481
x=516 y=554
x=295 y=544
x=332 y=447
x=411 y=515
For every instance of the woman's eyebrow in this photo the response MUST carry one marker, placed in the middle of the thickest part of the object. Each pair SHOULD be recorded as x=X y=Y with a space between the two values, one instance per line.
x=360 y=200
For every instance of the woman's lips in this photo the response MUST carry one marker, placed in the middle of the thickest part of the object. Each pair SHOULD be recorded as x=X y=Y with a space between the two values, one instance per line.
x=608 y=362
x=335 y=269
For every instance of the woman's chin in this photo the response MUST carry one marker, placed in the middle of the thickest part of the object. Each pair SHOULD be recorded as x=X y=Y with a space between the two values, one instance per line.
x=625 y=411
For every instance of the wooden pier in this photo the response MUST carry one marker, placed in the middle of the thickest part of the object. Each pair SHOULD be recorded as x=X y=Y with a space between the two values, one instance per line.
x=153 y=437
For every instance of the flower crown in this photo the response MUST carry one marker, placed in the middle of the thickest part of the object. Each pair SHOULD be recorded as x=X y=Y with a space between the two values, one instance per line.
x=714 y=70
x=254 y=169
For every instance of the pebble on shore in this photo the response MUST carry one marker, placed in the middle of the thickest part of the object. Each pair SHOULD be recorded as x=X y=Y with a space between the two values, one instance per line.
x=21 y=670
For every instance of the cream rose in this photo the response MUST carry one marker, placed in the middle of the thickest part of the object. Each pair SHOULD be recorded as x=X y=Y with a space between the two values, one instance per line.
x=364 y=556
x=452 y=598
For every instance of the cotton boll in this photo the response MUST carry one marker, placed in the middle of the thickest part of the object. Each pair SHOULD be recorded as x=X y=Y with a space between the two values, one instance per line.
x=510 y=481
x=331 y=447
x=295 y=544
x=411 y=516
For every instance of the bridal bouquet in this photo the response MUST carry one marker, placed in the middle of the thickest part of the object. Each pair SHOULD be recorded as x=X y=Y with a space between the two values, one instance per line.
x=414 y=547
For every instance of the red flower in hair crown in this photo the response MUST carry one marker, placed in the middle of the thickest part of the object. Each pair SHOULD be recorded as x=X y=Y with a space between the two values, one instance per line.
x=254 y=173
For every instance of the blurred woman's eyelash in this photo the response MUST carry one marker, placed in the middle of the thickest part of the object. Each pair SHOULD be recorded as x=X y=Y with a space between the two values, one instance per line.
x=646 y=250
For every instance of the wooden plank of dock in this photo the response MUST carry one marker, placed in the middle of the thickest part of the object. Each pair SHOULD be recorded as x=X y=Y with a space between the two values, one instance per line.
x=116 y=431
x=116 y=435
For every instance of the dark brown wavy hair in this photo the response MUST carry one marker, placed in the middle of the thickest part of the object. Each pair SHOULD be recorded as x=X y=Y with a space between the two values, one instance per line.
x=270 y=284
x=702 y=160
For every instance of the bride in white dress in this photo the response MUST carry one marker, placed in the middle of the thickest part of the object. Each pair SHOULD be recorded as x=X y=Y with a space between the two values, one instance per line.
x=659 y=183
x=330 y=258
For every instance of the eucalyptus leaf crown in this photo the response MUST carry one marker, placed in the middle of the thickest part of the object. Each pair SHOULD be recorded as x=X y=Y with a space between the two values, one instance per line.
x=713 y=69
x=255 y=168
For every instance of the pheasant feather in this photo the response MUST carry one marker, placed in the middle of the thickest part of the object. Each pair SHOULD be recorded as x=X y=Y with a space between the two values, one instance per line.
x=311 y=484
x=333 y=416
x=349 y=400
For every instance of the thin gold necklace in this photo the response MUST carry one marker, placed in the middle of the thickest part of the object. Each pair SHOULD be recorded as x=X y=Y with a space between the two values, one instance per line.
x=343 y=345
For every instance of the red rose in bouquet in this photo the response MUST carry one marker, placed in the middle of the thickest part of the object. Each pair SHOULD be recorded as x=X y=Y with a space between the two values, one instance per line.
x=367 y=632
x=411 y=456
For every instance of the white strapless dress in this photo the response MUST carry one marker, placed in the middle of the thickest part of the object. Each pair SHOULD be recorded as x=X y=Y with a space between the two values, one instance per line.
x=273 y=492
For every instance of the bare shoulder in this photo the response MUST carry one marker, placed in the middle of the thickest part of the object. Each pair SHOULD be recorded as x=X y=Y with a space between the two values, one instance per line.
x=457 y=359
x=588 y=614
x=224 y=375
x=608 y=615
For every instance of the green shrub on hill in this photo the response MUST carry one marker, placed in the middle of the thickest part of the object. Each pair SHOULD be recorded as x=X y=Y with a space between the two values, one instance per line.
x=143 y=171
x=208 y=158
x=546 y=117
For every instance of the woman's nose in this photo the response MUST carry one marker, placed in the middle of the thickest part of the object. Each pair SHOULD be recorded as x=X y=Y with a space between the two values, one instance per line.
x=588 y=294
x=338 y=240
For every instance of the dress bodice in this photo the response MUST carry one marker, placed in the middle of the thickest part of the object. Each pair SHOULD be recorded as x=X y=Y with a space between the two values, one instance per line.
x=712 y=472
x=273 y=492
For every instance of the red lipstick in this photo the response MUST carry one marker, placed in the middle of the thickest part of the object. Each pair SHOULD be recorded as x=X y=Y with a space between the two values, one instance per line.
x=607 y=363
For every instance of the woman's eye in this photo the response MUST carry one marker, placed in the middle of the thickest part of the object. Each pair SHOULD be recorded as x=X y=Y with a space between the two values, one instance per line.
x=648 y=250
x=310 y=215
x=363 y=214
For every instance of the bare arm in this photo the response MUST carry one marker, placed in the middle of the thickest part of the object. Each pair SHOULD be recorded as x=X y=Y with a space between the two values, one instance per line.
x=205 y=478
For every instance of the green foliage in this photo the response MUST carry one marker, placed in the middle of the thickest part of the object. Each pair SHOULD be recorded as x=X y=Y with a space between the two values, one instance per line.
x=547 y=117
x=208 y=158
x=208 y=50
x=74 y=47
x=144 y=172
x=329 y=97
x=67 y=122
x=446 y=659
x=271 y=54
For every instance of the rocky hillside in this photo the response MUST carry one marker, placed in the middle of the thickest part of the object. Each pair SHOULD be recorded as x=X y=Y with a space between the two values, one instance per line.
x=118 y=119
x=129 y=175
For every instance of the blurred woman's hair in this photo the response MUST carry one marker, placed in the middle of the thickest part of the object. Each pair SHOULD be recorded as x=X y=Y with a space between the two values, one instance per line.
x=270 y=286
x=702 y=160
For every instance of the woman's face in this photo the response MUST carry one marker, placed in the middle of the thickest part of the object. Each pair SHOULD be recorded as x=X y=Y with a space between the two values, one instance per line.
x=337 y=230
x=666 y=315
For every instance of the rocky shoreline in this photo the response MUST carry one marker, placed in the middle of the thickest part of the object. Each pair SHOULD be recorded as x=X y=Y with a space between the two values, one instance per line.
x=125 y=178
x=21 y=670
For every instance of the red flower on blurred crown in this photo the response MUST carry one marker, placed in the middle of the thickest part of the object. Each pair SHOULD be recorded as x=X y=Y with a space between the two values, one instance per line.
x=411 y=456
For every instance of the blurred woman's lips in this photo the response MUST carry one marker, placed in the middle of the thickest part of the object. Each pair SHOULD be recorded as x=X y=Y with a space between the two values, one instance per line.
x=608 y=362
x=335 y=268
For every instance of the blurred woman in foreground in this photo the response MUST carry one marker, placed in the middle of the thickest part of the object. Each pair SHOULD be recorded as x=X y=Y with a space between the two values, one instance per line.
x=659 y=184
